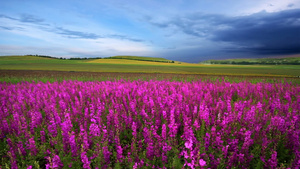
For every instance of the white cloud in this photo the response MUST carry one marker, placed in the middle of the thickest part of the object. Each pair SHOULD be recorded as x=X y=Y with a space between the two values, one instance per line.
x=270 y=6
x=45 y=38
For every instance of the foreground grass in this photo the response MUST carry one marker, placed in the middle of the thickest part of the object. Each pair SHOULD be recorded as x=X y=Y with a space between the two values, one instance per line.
x=16 y=76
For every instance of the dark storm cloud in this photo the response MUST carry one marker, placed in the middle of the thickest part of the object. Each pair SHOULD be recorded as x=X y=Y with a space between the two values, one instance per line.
x=264 y=33
x=260 y=33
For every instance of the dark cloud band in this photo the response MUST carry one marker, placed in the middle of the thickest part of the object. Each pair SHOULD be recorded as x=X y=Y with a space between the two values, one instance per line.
x=259 y=33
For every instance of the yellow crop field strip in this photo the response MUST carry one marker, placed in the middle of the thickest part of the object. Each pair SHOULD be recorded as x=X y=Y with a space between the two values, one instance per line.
x=137 y=62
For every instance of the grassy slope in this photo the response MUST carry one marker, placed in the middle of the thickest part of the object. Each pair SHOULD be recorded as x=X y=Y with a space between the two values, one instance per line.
x=140 y=58
x=266 y=59
x=259 y=60
x=137 y=62
x=122 y=65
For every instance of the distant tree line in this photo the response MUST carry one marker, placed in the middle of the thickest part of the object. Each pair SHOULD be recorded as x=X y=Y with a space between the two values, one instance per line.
x=45 y=56
x=85 y=58
x=266 y=61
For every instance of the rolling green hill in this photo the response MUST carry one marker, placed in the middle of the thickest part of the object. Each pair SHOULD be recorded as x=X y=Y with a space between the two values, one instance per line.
x=261 y=61
x=137 y=66
x=141 y=58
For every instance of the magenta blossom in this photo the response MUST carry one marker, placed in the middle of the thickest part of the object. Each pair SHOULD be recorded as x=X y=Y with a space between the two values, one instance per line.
x=202 y=163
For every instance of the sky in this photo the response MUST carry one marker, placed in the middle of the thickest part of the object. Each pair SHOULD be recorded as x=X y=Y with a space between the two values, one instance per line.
x=182 y=30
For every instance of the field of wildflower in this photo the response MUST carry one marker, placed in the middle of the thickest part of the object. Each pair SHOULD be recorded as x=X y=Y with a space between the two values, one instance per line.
x=149 y=124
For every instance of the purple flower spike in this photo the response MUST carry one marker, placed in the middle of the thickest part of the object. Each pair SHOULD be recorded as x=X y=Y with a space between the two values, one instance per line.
x=85 y=160
x=56 y=163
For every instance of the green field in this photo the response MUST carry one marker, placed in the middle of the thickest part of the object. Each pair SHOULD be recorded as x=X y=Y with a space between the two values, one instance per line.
x=295 y=60
x=141 y=58
x=137 y=66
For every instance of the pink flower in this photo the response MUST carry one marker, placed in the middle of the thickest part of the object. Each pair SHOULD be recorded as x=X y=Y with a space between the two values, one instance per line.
x=202 y=162
x=85 y=160
x=106 y=154
x=52 y=128
x=164 y=132
x=189 y=144
x=135 y=166
x=21 y=148
x=150 y=151
x=43 y=138
x=134 y=133
x=94 y=130
x=56 y=162
x=273 y=160
x=119 y=152
x=73 y=145
x=32 y=146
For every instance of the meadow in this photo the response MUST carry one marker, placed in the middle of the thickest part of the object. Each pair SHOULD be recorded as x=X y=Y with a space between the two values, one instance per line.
x=137 y=66
x=16 y=76
x=113 y=113
x=291 y=60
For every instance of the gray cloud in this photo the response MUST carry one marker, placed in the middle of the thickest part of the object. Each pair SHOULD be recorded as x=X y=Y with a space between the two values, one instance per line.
x=85 y=35
x=124 y=37
x=76 y=34
x=7 y=17
x=264 y=33
x=26 y=18
x=260 y=33
x=6 y=28
x=30 y=19
x=9 y=28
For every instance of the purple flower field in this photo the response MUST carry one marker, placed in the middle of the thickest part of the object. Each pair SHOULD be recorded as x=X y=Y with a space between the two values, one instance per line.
x=149 y=124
